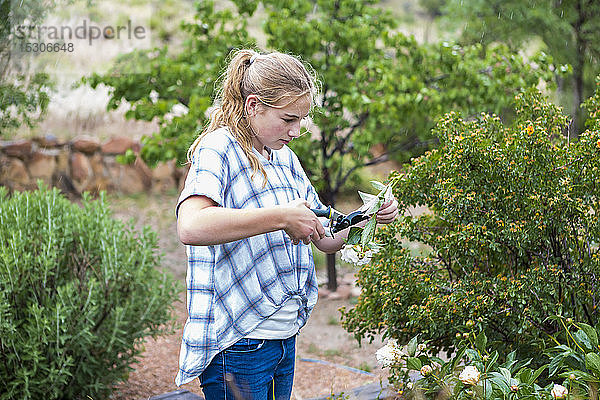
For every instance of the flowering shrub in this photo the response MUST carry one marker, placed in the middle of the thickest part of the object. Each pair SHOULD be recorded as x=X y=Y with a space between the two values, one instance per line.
x=476 y=373
x=511 y=233
x=577 y=361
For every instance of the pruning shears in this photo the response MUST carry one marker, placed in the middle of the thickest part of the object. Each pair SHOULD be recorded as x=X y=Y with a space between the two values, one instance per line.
x=339 y=221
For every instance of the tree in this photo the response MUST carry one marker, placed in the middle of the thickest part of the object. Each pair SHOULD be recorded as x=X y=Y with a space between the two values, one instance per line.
x=569 y=30
x=23 y=95
x=378 y=86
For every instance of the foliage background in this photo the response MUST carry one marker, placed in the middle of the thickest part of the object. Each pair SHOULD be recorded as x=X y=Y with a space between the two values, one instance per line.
x=511 y=235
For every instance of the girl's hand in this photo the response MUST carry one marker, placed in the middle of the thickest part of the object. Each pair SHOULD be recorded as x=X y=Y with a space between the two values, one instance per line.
x=301 y=224
x=388 y=212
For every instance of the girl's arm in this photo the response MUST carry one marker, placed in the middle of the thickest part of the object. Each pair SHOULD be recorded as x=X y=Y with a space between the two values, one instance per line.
x=386 y=214
x=201 y=222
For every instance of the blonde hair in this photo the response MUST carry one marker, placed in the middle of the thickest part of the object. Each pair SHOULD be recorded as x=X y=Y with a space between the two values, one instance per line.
x=273 y=78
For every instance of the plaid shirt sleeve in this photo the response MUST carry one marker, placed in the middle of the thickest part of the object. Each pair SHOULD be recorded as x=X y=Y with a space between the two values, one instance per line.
x=208 y=174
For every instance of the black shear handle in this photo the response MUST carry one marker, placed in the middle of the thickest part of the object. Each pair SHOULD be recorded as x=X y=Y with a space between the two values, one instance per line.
x=327 y=213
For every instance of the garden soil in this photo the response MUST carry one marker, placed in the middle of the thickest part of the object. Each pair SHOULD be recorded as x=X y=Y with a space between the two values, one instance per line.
x=324 y=349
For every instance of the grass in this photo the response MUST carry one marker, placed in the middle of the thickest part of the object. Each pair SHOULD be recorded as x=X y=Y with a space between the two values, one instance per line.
x=332 y=353
x=364 y=366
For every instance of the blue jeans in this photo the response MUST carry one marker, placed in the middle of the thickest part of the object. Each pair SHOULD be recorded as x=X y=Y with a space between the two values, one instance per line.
x=252 y=369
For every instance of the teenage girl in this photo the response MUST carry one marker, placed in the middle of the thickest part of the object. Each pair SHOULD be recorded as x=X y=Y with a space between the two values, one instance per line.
x=244 y=215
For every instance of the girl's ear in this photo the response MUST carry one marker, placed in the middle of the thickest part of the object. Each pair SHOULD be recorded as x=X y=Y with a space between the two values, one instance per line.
x=252 y=104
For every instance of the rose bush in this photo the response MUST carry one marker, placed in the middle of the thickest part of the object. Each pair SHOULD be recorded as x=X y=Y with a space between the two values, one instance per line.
x=475 y=372
x=510 y=235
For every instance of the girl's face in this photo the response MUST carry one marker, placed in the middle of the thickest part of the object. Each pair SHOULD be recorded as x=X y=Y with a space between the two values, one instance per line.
x=275 y=127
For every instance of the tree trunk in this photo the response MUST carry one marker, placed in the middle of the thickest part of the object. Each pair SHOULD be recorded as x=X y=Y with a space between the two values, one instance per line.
x=328 y=198
x=331 y=273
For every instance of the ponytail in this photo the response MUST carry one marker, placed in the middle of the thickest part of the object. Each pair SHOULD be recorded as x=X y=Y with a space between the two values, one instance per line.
x=271 y=77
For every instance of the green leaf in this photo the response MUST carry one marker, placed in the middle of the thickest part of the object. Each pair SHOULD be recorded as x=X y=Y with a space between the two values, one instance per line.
x=412 y=346
x=492 y=361
x=583 y=340
x=413 y=363
x=375 y=207
x=354 y=235
x=378 y=185
x=487 y=389
x=536 y=374
x=590 y=332
x=556 y=362
x=481 y=341
x=580 y=376
x=592 y=363
x=368 y=232
x=524 y=375
x=473 y=355
x=366 y=197
x=505 y=373
x=500 y=382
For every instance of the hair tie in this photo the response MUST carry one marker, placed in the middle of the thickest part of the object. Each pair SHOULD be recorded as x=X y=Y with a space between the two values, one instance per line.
x=253 y=58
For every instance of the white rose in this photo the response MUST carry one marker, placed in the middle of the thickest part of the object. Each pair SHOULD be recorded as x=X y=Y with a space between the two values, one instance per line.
x=426 y=370
x=470 y=375
x=559 y=391
x=349 y=254
x=356 y=255
x=389 y=354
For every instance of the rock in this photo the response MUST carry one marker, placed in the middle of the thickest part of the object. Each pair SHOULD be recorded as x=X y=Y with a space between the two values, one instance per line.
x=86 y=144
x=163 y=178
x=101 y=180
x=144 y=172
x=130 y=178
x=81 y=169
x=14 y=174
x=62 y=161
x=65 y=184
x=129 y=181
x=17 y=148
x=181 y=173
x=42 y=166
x=377 y=150
x=98 y=167
x=324 y=293
x=119 y=145
x=48 y=140
x=99 y=184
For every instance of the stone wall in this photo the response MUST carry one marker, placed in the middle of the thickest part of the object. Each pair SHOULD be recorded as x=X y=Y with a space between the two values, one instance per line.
x=83 y=164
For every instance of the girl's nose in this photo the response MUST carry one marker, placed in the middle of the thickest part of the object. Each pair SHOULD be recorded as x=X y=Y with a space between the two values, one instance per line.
x=295 y=130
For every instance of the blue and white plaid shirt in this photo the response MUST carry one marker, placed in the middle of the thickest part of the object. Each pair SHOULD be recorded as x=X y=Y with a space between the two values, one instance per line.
x=233 y=287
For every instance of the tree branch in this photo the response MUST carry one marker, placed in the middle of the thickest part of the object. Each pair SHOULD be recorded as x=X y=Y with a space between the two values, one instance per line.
x=342 y=143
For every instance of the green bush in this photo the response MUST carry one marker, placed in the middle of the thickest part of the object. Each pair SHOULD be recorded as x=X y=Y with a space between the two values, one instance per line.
x=474 y=372
x=511 y=232
x=79 y=291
